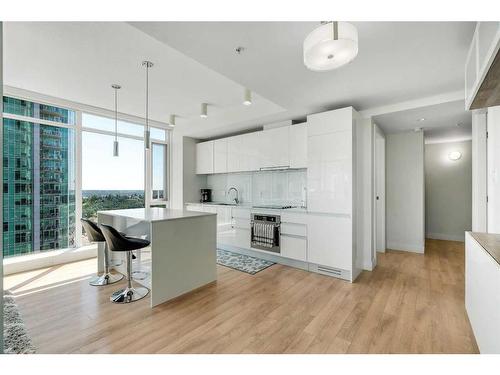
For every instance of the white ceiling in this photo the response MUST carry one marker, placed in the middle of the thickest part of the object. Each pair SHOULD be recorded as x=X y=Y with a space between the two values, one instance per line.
x=79 y=61
x=195 y=62
x=439 y=125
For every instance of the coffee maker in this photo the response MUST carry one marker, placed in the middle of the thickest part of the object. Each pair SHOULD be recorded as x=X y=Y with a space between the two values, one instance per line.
x=206 y=195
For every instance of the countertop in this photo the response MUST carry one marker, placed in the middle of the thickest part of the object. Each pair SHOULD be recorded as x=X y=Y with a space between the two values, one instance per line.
x=490 y=242
x=250 y=207
x=155 y=214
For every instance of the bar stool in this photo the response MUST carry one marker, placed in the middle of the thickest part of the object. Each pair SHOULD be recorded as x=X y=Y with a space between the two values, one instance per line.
x=95 y=235
x=118 y=242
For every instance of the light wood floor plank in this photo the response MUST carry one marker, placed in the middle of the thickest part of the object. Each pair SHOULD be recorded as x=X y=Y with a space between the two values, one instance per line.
x=411 y=303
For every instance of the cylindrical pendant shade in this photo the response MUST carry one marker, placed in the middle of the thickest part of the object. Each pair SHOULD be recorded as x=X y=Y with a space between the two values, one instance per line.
x=115 y=148
x=147 y=139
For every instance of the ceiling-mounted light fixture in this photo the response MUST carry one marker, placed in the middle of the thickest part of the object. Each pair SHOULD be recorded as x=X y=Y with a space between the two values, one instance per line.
x=330 y=46
x=147 y=133
x=247 y=97
x=204 y=110
x=454 y=155
x=115 y=143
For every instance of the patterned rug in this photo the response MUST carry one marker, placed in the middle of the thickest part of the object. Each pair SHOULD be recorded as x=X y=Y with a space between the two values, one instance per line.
x=240 y=262
x=16 y=338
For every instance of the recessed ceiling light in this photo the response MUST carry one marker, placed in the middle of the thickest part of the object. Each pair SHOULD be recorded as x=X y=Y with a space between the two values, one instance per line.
x=239 y=50
x=421 y=119
x=204 y=110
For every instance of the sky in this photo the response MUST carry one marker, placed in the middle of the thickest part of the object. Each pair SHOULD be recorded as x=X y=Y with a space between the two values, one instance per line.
x=102 y=171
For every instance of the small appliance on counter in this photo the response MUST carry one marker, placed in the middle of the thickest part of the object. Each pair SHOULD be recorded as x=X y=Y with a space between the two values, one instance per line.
x=206 y=195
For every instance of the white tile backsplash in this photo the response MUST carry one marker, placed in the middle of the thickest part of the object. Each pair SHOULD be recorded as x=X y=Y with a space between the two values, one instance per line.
x=261 y=188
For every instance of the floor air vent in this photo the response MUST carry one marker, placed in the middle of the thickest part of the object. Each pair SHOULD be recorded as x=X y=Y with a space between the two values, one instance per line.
x=331 y=271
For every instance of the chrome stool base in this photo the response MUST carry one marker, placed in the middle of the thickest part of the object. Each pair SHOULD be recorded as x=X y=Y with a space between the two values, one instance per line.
x=128 y=295
x=106 y=279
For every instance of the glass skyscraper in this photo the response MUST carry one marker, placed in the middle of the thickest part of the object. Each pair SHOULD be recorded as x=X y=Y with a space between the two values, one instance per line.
x=38 y=178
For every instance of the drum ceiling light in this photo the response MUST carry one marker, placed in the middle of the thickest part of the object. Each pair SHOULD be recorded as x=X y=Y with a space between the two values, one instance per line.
x=330 y=46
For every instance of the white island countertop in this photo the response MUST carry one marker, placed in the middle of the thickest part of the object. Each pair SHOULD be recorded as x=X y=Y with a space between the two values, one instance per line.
x=155 y=214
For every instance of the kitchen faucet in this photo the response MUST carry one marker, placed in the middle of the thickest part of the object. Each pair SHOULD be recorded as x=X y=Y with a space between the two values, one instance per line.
x=236 y=200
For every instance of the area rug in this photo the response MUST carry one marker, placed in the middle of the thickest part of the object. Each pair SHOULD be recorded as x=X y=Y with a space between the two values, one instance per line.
x=240 y=262
x=15 y=335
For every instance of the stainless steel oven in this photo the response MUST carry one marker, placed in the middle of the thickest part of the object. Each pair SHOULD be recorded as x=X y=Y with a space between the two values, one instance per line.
x=265 y=232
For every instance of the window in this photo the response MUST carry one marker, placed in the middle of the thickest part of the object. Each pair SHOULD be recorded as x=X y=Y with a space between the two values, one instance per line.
x=107 y=124
x=110 y=182
x=39 y=163
x=158 y=171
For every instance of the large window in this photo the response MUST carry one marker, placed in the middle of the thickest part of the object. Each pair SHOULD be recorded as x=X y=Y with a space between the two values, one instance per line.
x=110 y=182
x=38 y=178
x=158 y=171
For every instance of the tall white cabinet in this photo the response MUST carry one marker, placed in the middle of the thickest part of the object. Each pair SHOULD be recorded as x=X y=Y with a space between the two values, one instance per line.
x=331 y=171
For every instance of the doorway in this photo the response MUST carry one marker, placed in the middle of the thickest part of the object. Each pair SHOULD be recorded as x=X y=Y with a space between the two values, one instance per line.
x=379 y=191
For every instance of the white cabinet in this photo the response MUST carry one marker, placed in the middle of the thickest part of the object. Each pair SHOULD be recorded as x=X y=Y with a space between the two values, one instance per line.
x=329 y=241
x=329 y=173
x=220 y=155
x=293 y=247
x=298 y=146
x=274 y=148
x=243 y=153
x=205 y=157
x=482 y=51
x=482 y=295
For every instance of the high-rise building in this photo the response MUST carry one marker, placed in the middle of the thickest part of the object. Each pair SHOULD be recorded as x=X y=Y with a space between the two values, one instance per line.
x=38 y=179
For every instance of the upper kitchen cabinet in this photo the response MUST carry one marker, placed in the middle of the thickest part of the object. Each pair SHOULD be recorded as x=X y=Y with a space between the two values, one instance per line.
x=220 y=155
x=243 y=153
x=274 y=148
x=330 y=161
x=205 y=157
x=482 y=67
x=298 y=145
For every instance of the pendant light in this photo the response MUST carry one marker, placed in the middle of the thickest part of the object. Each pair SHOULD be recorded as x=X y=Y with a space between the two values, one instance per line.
x=147 y=133
x=204 y=110
x=115 y=143
x=247 y=97
x=330 y=46
x=172 y=120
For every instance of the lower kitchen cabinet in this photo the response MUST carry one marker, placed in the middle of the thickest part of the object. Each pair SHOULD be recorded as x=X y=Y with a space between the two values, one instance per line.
x=329 y=240
x=294 y=247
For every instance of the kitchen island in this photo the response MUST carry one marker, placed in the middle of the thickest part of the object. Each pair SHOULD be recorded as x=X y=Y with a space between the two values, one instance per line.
x=182 y=254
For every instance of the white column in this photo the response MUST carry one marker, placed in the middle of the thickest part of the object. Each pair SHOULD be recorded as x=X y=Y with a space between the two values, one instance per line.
x=479 y=172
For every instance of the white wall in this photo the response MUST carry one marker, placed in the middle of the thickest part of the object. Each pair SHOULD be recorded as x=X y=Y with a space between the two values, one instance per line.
x=185 y=184
x=405 y=215
x=479 y=172
x=448 y=191
x=493 y=209
x=364 y=194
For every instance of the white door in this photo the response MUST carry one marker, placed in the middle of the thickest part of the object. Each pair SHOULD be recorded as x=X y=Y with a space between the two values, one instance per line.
x=379 y=191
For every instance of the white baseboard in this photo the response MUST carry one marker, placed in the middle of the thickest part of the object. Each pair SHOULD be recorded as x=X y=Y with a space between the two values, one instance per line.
x=414 y=248
x=35 y=261
x=446 y=237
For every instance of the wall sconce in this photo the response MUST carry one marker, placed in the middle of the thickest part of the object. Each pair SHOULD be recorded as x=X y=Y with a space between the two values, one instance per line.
x=454 y=155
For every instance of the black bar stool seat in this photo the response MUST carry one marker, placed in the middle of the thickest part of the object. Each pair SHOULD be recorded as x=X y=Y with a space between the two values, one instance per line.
x=94 y=234
x=118 y=242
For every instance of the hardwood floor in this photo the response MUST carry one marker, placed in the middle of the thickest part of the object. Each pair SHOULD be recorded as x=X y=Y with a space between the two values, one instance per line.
x=410 y=303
